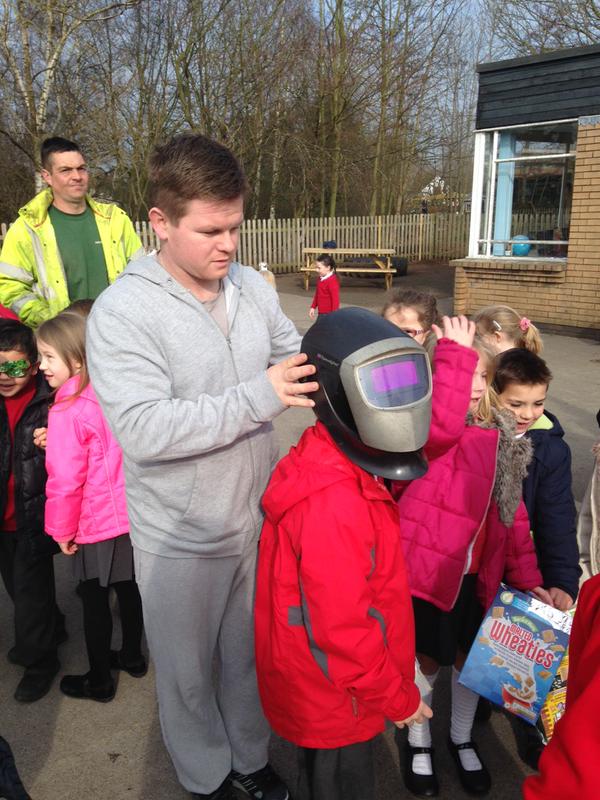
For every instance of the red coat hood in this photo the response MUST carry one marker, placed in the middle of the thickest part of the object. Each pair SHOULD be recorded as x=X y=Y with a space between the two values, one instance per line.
x=310 y=467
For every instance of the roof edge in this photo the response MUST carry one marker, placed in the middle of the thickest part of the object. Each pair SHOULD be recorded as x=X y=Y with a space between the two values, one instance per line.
x=552 y=55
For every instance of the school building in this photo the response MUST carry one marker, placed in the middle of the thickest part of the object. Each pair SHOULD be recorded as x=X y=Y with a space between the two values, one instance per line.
x=535 y=213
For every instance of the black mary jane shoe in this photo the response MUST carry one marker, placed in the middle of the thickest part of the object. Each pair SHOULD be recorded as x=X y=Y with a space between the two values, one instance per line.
x=475 y=782
x=419 y=785
x=79 y=687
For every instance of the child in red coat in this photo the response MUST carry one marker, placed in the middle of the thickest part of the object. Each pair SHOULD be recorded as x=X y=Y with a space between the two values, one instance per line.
x=568 y=766
x=327 y=293
x=334 y=629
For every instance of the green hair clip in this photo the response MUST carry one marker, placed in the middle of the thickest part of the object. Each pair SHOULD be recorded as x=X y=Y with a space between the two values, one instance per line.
x=15 y=369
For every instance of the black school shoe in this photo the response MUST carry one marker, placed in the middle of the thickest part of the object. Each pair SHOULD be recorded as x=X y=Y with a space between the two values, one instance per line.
x=475 y=782
x=419 y=785
x=264 y=784
x=35 y=683
x=10 y=783
x=80 y=688
x=137 y=669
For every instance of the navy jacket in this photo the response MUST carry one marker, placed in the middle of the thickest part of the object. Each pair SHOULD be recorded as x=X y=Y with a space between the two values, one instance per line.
x=550 y=505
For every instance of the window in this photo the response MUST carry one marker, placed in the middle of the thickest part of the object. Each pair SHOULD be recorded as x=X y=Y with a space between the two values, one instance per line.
x=522 y=190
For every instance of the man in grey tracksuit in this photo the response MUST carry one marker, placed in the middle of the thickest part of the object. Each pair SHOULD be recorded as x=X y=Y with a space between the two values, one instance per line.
x=179 y=351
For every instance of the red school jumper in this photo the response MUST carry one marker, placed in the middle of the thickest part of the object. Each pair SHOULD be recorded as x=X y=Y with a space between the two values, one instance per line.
x=327 y=294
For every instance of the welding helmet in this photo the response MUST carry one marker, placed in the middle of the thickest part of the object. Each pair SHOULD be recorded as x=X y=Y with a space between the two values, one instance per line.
x=374 y=393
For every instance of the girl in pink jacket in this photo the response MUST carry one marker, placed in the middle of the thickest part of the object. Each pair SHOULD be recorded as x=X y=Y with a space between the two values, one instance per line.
x=464 y=528
x=86 y=513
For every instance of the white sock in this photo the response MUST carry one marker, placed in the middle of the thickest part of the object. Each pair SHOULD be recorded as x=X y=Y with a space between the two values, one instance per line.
x=464 y=706
x=419 y=734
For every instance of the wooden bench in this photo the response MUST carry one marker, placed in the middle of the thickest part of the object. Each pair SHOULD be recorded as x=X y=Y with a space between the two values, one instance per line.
x=381 y=257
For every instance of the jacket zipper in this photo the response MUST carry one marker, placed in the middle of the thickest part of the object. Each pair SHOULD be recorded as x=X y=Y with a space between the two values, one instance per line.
x=354 y=705
x=233 y=364
x=487 y=508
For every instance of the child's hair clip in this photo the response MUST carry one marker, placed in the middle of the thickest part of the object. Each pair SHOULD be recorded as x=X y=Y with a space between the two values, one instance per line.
x=524 y=324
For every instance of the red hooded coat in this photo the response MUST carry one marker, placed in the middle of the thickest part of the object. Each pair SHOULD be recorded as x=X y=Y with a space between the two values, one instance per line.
x=334 y=623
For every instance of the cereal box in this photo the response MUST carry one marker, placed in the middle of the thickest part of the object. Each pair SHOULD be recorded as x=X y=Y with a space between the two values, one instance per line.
x=554 y=707
x=517 y=652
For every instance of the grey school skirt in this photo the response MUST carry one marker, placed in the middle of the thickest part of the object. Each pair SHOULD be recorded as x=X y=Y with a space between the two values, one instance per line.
x=110 y=561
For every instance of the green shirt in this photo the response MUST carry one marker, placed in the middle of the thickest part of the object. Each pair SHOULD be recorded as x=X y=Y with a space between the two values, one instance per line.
x=81 y=252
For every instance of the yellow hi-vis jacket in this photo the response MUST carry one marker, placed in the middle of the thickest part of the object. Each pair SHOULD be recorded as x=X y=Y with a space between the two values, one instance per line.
x=33 y=283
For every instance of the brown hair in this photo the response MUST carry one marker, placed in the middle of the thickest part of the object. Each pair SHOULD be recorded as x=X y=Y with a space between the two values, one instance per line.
x=81 y=307
x=424 y=303
x=192 y=167
x=56 y=144
x=326 y=259
x=496 y=319
x=522 y=367
x=66 y=334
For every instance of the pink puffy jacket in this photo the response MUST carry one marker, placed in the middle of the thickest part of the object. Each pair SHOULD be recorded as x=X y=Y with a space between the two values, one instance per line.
x=442 y=512
x=85 y=493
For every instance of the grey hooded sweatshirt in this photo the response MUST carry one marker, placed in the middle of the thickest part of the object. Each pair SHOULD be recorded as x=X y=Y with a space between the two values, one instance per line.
x=191 y=408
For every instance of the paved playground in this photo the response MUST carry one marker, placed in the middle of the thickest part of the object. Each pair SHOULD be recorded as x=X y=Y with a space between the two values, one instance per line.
x=77 y=750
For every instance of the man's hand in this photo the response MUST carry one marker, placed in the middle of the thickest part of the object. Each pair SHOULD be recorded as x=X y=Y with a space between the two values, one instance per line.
x=311 y=313
x=562 y=600
x=422 y=713
x=543 y=595
x=284 y=378
x=40 y=436
x=69 y=548
x=457 y=329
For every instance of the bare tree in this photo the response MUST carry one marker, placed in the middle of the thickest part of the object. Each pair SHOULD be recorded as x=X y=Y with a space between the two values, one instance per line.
x=33 y=37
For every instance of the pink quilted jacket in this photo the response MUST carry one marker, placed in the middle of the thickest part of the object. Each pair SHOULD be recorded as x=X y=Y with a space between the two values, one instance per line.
x=442 y=512
x=85 y=493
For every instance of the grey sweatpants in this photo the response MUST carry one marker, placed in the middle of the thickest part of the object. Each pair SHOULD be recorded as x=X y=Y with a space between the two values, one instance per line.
x=196 y=609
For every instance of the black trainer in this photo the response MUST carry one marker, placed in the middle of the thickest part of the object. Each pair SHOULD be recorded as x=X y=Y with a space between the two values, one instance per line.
x=224 y=792
x=264 y=784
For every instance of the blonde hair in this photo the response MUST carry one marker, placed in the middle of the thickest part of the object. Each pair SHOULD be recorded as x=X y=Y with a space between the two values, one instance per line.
x=66 y=334
x=489 y=400
x=504 y=319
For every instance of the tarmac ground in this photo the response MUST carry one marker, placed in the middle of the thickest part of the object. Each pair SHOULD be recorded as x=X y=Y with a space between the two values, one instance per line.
x=75 y=750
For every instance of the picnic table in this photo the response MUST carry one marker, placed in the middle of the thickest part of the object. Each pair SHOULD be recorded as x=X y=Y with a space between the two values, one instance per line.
x=380 y=256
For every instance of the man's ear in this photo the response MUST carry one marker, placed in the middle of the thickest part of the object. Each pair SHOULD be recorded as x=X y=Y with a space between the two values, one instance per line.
x=159 y=222
x=46 y=177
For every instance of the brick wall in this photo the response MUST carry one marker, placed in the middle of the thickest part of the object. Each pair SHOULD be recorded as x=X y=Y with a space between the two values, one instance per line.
x=556 y=293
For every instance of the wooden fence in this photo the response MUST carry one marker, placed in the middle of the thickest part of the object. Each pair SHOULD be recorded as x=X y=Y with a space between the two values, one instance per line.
x=418 y=237
x=279 y=242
